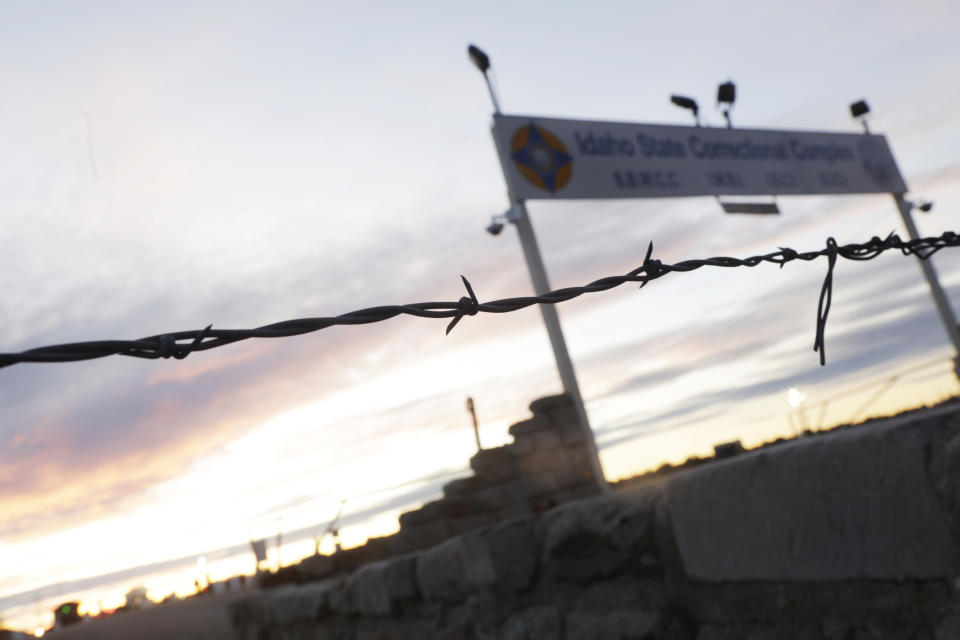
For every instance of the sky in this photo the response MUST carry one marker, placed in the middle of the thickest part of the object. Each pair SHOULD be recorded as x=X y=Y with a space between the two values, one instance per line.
x=167 y=167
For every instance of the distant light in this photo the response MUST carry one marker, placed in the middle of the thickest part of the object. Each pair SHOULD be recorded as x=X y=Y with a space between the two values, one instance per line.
x=38 y=632
x=794 y=397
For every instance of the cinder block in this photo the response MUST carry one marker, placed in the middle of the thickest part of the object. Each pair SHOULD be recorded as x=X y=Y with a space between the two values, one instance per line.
x=374 y=588
x=551 y=403
x=596 y=538
x=461 y=486
x=542 y=623
x=422 y=536
x=543 y=461
x=546 y=439
x=526 y=428
x=613 y=625
x=317 y=566
x=450 y=571
x=494 y=457
x=851 y=505
x=427 y=513
x=369 y=595
x=513 y=551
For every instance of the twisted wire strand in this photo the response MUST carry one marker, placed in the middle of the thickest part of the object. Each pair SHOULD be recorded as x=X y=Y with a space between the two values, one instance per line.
x=180 y=344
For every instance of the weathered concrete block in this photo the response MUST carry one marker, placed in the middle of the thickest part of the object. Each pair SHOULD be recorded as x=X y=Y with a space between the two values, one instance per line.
x=427 y=513
x=516 y=509
x=524 y=429
x=461 y=486
x=553 y=481
x=535 y=623
x=546 y=439
x=401 y=576
x=948 y=628
x=851 y=505
x=246 y=613
x=317 y=566
x=340 y=597
x=391 y=629
x=619 y=593
x=780 y=631
x=951 y=479
x=493 y=457
x=601 y=537
x=543 y=461
x=614 y=625
x=369 y=593
x=420 y=536
x=513 y=552
x=449 y=571
x=474 y=521
x=283 y=606
x=549 y=404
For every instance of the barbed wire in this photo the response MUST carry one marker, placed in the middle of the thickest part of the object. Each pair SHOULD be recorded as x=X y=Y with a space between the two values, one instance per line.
x=180 y=344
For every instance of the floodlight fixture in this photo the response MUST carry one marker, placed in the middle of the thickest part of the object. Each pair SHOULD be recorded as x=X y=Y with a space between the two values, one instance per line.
x=480 y=59
x=482 y=62
x=859 y=111
x=727 y=93
x=687 y=103
x=726 y=96
x=859 y=108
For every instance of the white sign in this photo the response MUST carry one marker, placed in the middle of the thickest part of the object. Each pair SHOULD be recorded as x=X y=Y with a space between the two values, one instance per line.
x=548 y=158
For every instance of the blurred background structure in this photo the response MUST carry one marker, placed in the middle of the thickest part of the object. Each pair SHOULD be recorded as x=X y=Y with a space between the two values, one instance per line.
x=234 y=164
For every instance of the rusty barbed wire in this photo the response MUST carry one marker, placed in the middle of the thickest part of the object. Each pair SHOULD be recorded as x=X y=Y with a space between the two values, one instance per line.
x=180 y=344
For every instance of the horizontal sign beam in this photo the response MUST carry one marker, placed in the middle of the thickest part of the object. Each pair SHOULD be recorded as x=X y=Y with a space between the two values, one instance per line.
x=549 y=158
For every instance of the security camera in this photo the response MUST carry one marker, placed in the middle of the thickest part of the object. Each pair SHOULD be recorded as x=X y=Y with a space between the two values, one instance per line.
x=925 y=206
x=494 y=228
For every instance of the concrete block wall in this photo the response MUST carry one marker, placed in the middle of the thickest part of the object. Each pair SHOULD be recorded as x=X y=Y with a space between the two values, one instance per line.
x=545 y=465
x=845 y=536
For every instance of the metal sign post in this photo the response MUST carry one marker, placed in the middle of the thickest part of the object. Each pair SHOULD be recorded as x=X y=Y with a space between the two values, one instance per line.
x=552 y=159
x=538 y=275
x=939 y=297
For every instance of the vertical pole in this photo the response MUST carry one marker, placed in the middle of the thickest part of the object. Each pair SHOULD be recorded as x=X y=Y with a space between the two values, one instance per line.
x=939 y=297
x=538 y=274
x=476 y=426
x=279 y=539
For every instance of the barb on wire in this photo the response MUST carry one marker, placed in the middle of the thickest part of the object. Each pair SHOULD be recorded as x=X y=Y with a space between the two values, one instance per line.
x=180 y=344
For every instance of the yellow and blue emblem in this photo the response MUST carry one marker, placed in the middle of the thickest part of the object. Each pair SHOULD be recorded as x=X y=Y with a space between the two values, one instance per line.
x=541 y=158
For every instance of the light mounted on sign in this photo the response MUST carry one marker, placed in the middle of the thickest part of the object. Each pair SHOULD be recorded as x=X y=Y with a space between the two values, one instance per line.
x=859 y=111
x=687 y=103
x=726 y=95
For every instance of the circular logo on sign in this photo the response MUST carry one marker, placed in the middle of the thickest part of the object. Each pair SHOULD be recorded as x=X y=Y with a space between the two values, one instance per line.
x=541 y=158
